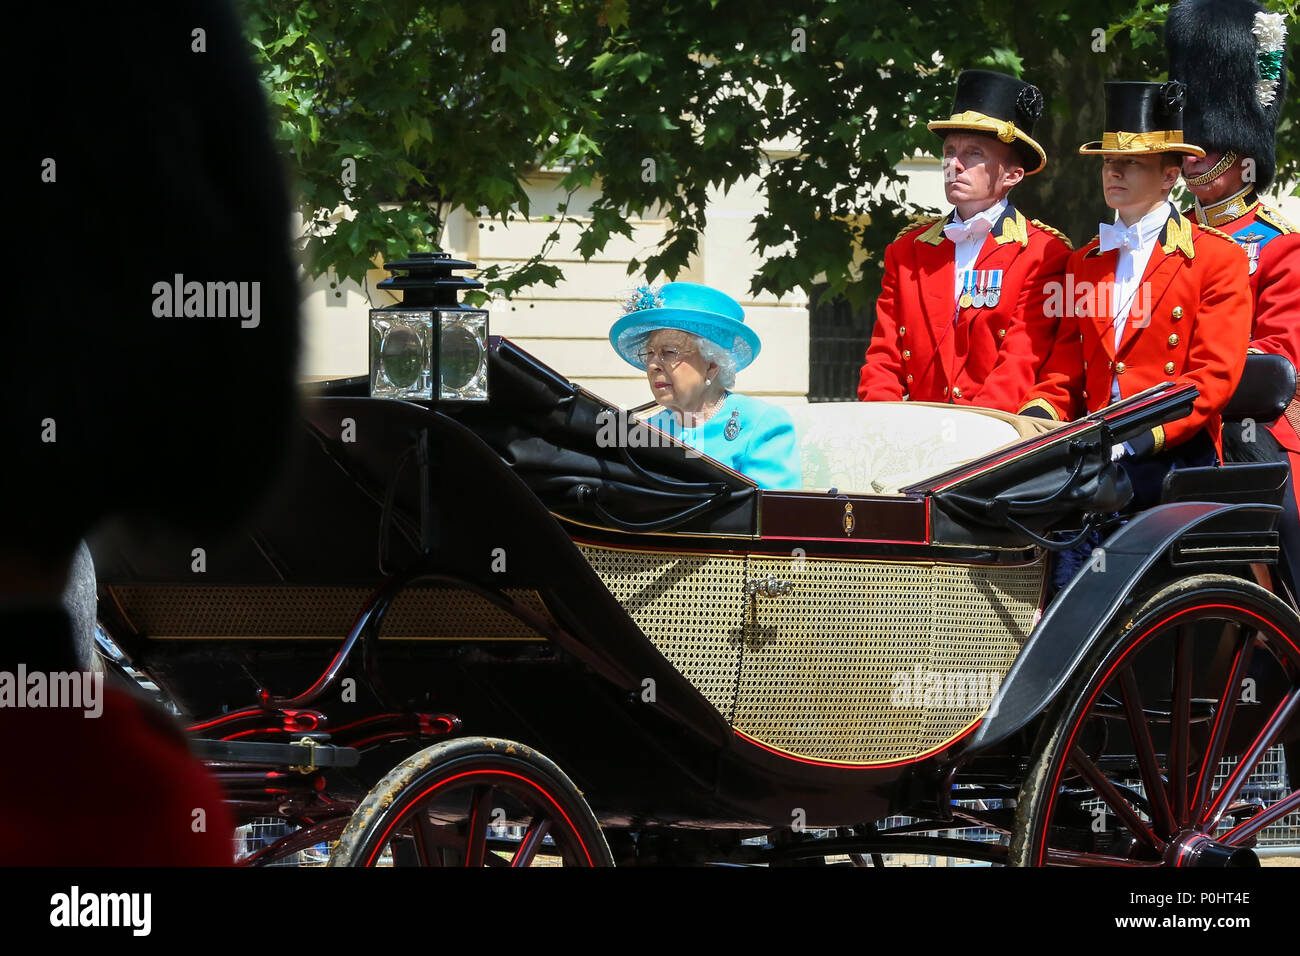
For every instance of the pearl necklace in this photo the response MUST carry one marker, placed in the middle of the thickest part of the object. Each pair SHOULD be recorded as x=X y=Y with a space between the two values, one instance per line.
x=704 y=414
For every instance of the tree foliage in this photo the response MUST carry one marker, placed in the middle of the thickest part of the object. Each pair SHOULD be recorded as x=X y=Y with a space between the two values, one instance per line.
x=446 y=105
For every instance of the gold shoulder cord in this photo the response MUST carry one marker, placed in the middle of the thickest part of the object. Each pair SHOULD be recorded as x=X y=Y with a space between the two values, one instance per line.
x=1054 y=231
x=917 y=222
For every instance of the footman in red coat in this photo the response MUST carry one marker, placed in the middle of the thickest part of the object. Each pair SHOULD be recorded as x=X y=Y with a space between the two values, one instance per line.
x=1153 y=298
x=961 y=314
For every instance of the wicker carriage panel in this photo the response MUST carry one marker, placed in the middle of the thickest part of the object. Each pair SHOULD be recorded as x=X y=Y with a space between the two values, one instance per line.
x=820 y=663
x=869 y=661
x=688 y=605
x=288 y=611
x=864 y=661
x=982 y=618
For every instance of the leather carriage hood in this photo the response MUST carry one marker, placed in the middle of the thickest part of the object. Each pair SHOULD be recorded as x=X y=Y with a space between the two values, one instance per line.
x=591 y=462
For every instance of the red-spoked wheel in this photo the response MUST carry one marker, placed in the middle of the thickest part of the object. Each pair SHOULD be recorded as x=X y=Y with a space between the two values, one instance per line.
x=473 y=801
x=1145 y=756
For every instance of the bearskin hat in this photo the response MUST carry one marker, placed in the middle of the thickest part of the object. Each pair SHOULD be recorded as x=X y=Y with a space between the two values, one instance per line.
x=1213 y=49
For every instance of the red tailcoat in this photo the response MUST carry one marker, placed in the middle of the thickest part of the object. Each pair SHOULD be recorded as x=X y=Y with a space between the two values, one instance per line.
x=1190 y=322
x=1273 y=247
x=924 y=348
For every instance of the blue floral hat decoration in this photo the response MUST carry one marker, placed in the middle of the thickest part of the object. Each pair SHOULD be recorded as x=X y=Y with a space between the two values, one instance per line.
x=687 y=306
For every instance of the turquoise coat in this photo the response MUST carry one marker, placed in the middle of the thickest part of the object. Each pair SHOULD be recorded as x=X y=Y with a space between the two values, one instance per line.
x=762 y=447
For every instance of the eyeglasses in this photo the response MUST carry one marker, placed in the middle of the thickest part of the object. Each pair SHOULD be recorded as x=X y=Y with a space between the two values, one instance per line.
x=668 y=358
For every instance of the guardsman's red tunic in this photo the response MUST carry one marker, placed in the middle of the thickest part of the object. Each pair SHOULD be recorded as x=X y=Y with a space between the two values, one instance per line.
x=926 y=348
x=1190 y=322
x=1272 y=247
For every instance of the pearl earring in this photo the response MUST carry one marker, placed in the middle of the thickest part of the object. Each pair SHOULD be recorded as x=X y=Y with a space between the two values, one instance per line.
x=708 y=382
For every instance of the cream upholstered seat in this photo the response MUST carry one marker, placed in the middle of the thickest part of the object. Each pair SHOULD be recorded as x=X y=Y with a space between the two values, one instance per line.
x=878 y=447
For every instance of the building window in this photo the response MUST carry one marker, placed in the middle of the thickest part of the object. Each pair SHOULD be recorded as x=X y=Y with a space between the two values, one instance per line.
x=837 y=342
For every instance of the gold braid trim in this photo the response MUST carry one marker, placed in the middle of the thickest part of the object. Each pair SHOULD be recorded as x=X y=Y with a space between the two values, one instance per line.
x=1217 y=232
x=1159 y=432
x=1054 y=231
x=1013 y=229
x=1042 y=403
x=1178 y=235
x=916 y=223
x=1274 y=219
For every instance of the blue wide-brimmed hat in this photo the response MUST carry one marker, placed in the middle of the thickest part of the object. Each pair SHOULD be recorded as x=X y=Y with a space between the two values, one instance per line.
x=690 y=307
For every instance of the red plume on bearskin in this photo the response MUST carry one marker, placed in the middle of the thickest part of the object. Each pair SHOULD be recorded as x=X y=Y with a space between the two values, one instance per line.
x=1212 y=50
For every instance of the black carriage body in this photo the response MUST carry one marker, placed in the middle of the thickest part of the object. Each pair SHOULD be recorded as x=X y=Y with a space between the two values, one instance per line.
x=693 y=651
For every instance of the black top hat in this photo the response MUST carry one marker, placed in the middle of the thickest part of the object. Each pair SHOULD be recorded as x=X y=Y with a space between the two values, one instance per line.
x=988 y=102
x=1143 y=118
x=1236 y=81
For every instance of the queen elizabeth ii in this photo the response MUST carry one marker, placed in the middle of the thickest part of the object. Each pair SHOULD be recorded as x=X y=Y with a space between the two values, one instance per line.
x=691 y=341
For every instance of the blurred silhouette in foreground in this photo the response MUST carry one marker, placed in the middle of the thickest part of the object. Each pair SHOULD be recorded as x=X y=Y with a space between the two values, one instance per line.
x=145 y=157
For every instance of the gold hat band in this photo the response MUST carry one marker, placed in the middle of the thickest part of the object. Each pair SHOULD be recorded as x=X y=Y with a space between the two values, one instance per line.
x=1141 y=141
x=1005 y=131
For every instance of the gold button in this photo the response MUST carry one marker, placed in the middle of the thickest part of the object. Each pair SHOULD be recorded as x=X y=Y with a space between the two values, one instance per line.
x=1120 y=367
x=1178 y=312
x=1002 y=333
x=902 y=330
x=906 y=354
x=945 y=389
x=1110 y=365
x=1085 y=393
x=1085 y=366
x=909 y=378
x=1169 y=368
x=956 y=392
x=1080 y=336
x=1173 y=340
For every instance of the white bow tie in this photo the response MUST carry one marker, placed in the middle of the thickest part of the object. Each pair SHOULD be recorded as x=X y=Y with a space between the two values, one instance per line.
x=1115 y=236
x=977 y=228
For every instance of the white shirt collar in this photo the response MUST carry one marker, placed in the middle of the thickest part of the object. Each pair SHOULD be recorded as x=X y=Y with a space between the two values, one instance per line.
x=991 y=215
x=1151 y=225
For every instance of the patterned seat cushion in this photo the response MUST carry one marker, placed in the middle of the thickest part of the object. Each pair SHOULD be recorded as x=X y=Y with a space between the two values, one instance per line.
x=876 y=447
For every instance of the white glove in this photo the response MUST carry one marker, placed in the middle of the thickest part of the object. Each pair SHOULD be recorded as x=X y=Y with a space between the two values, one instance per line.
x=1117 y=452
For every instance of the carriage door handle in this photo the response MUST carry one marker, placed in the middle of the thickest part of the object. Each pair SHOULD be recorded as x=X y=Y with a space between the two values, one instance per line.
x=770 y=587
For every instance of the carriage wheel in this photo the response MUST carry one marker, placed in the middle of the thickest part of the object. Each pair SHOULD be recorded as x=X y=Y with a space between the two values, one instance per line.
x=473 y=801
x=1124 y=769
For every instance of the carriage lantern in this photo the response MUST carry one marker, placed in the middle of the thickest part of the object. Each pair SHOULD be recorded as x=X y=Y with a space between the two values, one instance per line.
x=429 y=347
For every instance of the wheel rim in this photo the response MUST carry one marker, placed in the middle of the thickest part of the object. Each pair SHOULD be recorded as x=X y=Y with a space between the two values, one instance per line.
x=459 y=819
x=1146 y=765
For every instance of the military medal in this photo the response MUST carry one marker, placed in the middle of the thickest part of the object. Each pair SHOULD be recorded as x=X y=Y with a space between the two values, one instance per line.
x=1252 y=251
x=965 y=300
x=732 y=428
x=978 y=298
x=995 y=289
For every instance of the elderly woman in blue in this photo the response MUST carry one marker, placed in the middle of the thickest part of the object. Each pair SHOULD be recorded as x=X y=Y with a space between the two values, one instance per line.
x=691 y=341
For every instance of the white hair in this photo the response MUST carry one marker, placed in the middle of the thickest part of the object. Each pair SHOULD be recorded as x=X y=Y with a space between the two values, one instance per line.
x=723 y=358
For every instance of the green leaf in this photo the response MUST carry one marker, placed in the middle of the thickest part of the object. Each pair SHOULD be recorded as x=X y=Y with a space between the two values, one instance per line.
x=616 y=14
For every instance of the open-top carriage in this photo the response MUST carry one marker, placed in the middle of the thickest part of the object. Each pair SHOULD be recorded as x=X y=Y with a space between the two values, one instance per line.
x=532 y=627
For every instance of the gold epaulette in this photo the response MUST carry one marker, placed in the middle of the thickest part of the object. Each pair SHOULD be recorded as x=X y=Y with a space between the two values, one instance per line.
x=1054 y=231
x=916 y=222
x=1218 y=232
x=1274 y=219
